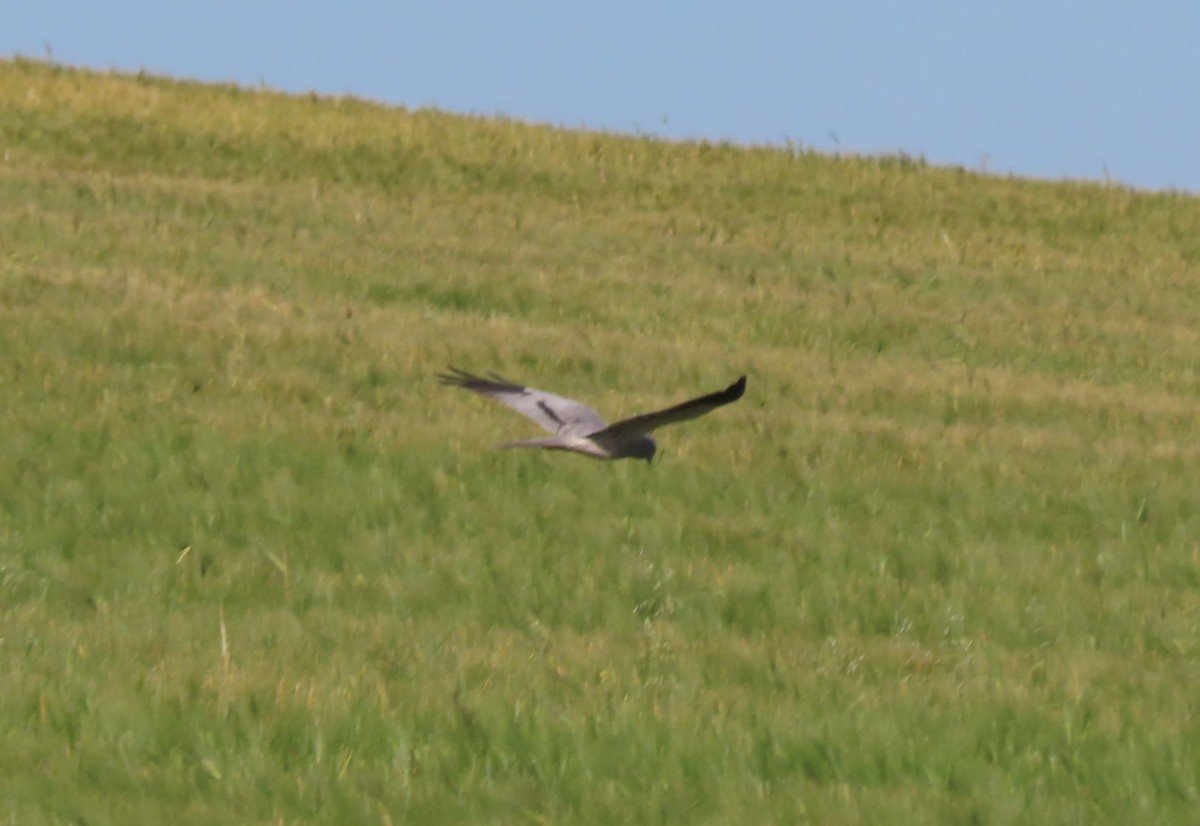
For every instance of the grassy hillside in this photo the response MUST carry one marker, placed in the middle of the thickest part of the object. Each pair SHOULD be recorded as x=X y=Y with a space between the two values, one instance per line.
x=941 y=565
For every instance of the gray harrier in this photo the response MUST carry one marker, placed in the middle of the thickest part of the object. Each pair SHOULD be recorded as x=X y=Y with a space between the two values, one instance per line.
x=579 y=428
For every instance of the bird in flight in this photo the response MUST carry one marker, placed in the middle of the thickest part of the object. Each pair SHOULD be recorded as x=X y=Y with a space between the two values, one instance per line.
x=576 y=427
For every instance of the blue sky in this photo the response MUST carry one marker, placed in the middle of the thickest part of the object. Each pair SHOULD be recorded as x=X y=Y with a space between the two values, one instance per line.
x=1039 y=88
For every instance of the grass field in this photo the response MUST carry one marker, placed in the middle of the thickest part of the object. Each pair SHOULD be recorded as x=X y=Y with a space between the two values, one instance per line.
x=941 y=564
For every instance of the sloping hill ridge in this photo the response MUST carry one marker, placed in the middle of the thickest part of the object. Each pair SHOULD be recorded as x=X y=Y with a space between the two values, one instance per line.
x=939 y=564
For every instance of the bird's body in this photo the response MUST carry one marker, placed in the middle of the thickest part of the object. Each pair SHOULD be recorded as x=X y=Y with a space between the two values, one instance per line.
x=631 y=447
x=578 y=428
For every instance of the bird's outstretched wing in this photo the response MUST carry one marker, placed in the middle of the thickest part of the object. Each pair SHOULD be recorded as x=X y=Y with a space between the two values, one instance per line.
x=556 y=414
x=679 y=413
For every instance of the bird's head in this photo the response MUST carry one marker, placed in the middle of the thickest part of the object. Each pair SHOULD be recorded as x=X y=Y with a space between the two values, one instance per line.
x=644 y=448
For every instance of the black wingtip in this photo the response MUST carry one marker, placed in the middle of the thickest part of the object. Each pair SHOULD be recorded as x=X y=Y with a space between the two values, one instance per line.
x=455 y=377
x=736 y=390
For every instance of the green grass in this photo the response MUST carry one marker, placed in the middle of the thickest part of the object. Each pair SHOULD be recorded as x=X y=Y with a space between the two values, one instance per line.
x=941 y=565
